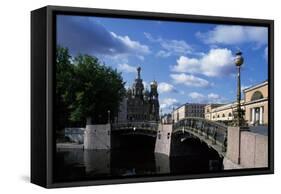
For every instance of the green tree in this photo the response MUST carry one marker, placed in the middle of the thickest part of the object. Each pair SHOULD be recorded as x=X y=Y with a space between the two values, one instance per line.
x=85 y=88
x=64 y=78
x=98 y=89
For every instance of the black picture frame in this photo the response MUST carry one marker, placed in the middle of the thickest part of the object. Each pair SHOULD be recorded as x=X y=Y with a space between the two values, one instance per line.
x=42 y=86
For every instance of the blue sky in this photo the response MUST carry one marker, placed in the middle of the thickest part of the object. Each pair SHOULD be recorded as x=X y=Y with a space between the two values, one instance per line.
x=192 y=62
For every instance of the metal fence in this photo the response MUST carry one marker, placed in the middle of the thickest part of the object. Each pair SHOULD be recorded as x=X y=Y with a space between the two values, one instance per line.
x=210 y=130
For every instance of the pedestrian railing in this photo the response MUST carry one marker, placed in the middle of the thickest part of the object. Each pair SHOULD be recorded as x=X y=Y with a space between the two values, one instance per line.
x=205 y=129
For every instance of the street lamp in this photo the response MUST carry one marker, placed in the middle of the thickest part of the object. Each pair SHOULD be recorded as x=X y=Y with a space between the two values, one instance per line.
x=108 y=116
x=239 y=112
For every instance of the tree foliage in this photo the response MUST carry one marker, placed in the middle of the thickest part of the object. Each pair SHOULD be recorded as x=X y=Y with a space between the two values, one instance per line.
x=64 y=74
x=86 y=88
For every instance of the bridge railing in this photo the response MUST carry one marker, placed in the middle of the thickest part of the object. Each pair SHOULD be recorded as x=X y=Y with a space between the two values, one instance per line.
x=210 y=130
x=153 y=126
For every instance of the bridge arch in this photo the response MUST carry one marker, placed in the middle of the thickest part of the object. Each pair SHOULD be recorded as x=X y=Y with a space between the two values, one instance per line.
x=212 y=133
x=134 y=135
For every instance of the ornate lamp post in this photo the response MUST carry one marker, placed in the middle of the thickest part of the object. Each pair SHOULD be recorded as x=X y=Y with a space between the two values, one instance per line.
x=239 y=112
x=239 y=120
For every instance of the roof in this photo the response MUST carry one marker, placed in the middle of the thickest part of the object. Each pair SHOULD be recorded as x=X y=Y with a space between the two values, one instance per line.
x=256 y=86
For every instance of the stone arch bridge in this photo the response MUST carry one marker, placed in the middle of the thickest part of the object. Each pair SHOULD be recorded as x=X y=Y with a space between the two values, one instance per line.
x=238 y=147
x=212 y=133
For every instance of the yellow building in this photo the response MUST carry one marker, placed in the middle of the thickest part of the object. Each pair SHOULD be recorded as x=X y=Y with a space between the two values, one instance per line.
x=255 y=104
x=222 y=112
x=208 y=110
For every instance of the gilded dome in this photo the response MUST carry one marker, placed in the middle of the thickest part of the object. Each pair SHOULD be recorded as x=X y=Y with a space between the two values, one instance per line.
x=153 y=83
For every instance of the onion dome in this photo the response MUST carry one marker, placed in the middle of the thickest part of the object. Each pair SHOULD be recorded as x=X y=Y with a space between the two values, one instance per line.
x=153 y=84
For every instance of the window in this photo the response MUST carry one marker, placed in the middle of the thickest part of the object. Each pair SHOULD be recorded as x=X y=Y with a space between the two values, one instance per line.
x=256 y=96
x=159 y=136
x=229 y=114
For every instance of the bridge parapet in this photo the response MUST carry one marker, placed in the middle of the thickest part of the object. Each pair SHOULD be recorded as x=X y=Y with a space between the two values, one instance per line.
x=212 y=133
x=152 y=126
x=246 y=149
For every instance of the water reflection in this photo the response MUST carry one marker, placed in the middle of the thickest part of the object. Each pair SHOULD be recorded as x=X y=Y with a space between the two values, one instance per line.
x=79 y=165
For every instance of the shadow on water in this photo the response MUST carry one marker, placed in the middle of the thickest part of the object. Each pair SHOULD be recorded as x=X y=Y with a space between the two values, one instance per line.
x=134 y=157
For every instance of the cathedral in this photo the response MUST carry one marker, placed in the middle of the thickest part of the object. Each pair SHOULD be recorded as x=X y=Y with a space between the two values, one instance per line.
x=140 y=104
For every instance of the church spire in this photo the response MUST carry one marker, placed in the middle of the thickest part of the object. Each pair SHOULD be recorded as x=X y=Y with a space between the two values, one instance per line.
x=139 y=70
x=138 y=85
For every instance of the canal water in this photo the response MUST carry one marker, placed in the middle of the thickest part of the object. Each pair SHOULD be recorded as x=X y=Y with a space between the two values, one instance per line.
x=131 y=161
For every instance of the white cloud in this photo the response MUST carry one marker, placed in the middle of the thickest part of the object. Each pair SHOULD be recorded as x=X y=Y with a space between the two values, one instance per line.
x=177 y=46
x=166 y=87
x=140 y=57
x=196 y=95
x=127 y=68
x=163 y=53
x=181 y=92
x=209 y=98
x=133 y=45
x=168 y=103
x=170 y=47
x=217 y=62
x=149 y=37
x=86 y=35
x=185 y=64
x=190 y=80
x=233 y=35
x=213 y=96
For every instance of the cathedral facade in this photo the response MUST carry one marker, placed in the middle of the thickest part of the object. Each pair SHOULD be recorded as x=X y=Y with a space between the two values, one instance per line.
x=140 y=104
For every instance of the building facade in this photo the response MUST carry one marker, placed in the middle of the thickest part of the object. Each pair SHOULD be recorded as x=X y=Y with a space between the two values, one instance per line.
x=208 y=110
x=166 y=119
x=140 y=104
x=222 y=112
x=255 y=104
x=188 y=110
